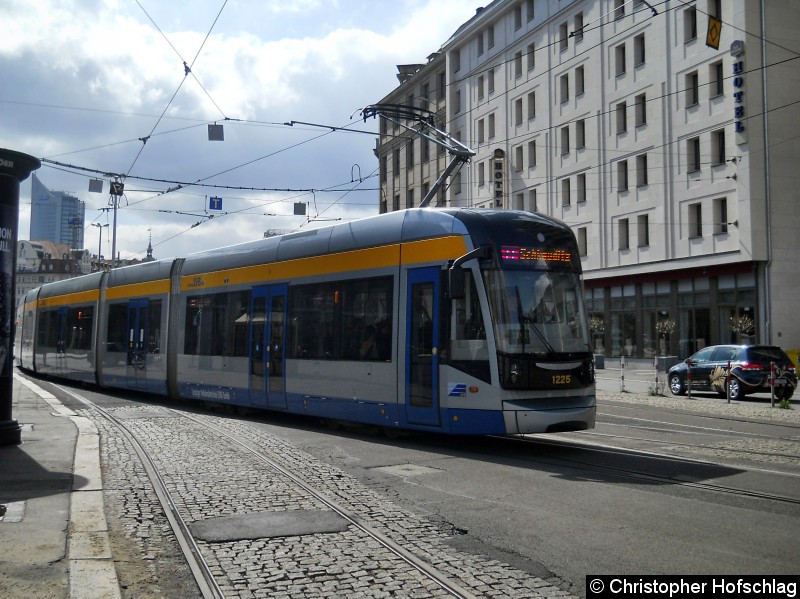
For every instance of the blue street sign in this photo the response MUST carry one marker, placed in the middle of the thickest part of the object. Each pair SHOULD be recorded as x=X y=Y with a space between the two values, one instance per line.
x=215 y=203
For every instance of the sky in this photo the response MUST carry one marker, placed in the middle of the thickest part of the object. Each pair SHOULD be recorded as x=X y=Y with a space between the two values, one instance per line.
x=98 y=88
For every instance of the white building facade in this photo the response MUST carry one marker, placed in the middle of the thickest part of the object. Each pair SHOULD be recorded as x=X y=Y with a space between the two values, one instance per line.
x=674 y=162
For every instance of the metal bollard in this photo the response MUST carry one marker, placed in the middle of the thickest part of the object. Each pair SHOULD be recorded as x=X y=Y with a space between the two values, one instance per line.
x=622 y=374
x=728 y=382
x=689 y=377
x=772 y=384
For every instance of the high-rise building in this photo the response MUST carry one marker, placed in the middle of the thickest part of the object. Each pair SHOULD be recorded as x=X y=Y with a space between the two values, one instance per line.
x=664 y=133
x=56 y=216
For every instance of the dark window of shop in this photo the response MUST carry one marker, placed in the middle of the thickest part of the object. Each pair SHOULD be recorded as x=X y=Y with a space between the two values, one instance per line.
x=596 y=308
x=623 y=320
x=658 y=324
x=216 y=324
x=694 y=317
x=736 y=301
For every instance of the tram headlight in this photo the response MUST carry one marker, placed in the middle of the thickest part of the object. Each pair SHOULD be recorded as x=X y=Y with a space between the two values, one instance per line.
x=514 y=372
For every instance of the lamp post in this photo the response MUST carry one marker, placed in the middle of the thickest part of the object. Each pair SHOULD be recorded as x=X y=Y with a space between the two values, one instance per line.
x=14 y=168
x=100 y=241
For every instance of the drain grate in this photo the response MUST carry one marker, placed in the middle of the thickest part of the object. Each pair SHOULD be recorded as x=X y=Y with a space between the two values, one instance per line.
x=259 y=525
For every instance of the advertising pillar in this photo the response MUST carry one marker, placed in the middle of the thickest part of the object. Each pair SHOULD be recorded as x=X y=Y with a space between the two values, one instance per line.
x=14 y=168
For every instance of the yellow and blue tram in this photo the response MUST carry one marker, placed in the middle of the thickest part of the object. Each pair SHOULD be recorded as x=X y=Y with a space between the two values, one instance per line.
x=460 y=321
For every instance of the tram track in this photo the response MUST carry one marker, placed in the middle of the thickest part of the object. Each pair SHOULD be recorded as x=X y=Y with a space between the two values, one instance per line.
x=200 y=567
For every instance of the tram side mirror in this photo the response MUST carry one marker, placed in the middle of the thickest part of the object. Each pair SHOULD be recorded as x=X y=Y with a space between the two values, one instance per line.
x=457 y=283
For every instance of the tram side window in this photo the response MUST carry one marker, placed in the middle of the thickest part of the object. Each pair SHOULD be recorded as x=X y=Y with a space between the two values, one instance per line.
x=312 y=313
x=347 y=320
x=367 y=320
x=117 y=330
x=154 y=327
x=48 y=328
x=216 y=324
x=469 y=350
x=79 y=328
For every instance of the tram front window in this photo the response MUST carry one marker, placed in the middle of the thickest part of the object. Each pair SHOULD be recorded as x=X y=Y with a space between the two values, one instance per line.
x=537 y=312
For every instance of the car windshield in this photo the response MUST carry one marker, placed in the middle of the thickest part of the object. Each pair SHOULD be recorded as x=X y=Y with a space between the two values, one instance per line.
x=537 y=312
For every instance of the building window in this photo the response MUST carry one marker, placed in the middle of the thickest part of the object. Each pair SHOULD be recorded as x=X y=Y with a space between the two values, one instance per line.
x=518 y=158
x=715 y=9
x=531 y=56
x=638 y=50
x=641 y=170
x=442 y=85
x=518 y=64
x=518 y=111
x=579 y=81
x=491 y=126
x=581 y=188
x=481 y=174
x=396 y=162
x=563 y=36
x=565 y=199
x=623 y=232
x=689 y=24
x=641 y=110
x=457 y=101
x=410 y=198
x=580 y=133
x=643 y=226
x=410 y=161
x=564 y=81
x=718 y=147
x=480 y=87
x=622 y=118
x=717 y=79
x=531 y=105
x=518 y=17
x=622 y=175
x=619 y=60
x=619 y=9
x=532 y=201
x=491 y=81
x=529 y=9
x=695 y=220
x=531 y=153
x=720 y=216
x=577 y=34
x=692 y=89
x=481 y=131
x=582 y=241
x=564 y=140
x=455 y=60
x=490 y=35
x=480 y=43
x=693 y=154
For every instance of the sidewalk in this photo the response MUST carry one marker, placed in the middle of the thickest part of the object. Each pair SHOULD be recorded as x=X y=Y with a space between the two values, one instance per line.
x=54 y=533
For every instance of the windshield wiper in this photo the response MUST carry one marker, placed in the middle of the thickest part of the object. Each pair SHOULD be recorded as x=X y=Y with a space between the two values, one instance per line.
x=524 y=320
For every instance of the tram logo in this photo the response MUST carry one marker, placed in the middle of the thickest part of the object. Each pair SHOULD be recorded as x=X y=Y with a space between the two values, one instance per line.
x=456 y=390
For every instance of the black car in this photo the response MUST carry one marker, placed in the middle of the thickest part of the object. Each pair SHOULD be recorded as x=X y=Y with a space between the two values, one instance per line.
x=750 y=371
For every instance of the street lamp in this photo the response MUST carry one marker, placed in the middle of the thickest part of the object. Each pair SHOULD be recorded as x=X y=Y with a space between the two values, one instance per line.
x=99 y=242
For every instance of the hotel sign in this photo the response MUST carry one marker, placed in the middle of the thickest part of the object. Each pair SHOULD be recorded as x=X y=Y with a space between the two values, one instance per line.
x=739 y=129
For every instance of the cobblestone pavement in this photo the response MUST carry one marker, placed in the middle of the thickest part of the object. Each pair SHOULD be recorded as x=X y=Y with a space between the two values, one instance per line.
x=210 y=478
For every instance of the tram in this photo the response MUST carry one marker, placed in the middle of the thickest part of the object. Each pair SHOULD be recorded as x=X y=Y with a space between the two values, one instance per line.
x=460 y=321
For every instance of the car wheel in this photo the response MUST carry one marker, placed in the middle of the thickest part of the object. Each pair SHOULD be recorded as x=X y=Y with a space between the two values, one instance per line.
x=676 y=385
x=782 y=393
x=736 y=391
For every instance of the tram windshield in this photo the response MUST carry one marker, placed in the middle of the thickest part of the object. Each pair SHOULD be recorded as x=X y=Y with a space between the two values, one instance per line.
x=537 y=312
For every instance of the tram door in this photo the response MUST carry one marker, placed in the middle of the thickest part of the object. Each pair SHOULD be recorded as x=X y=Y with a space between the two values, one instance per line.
x=422 y=346
x=267 y=346
x=137 y=344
